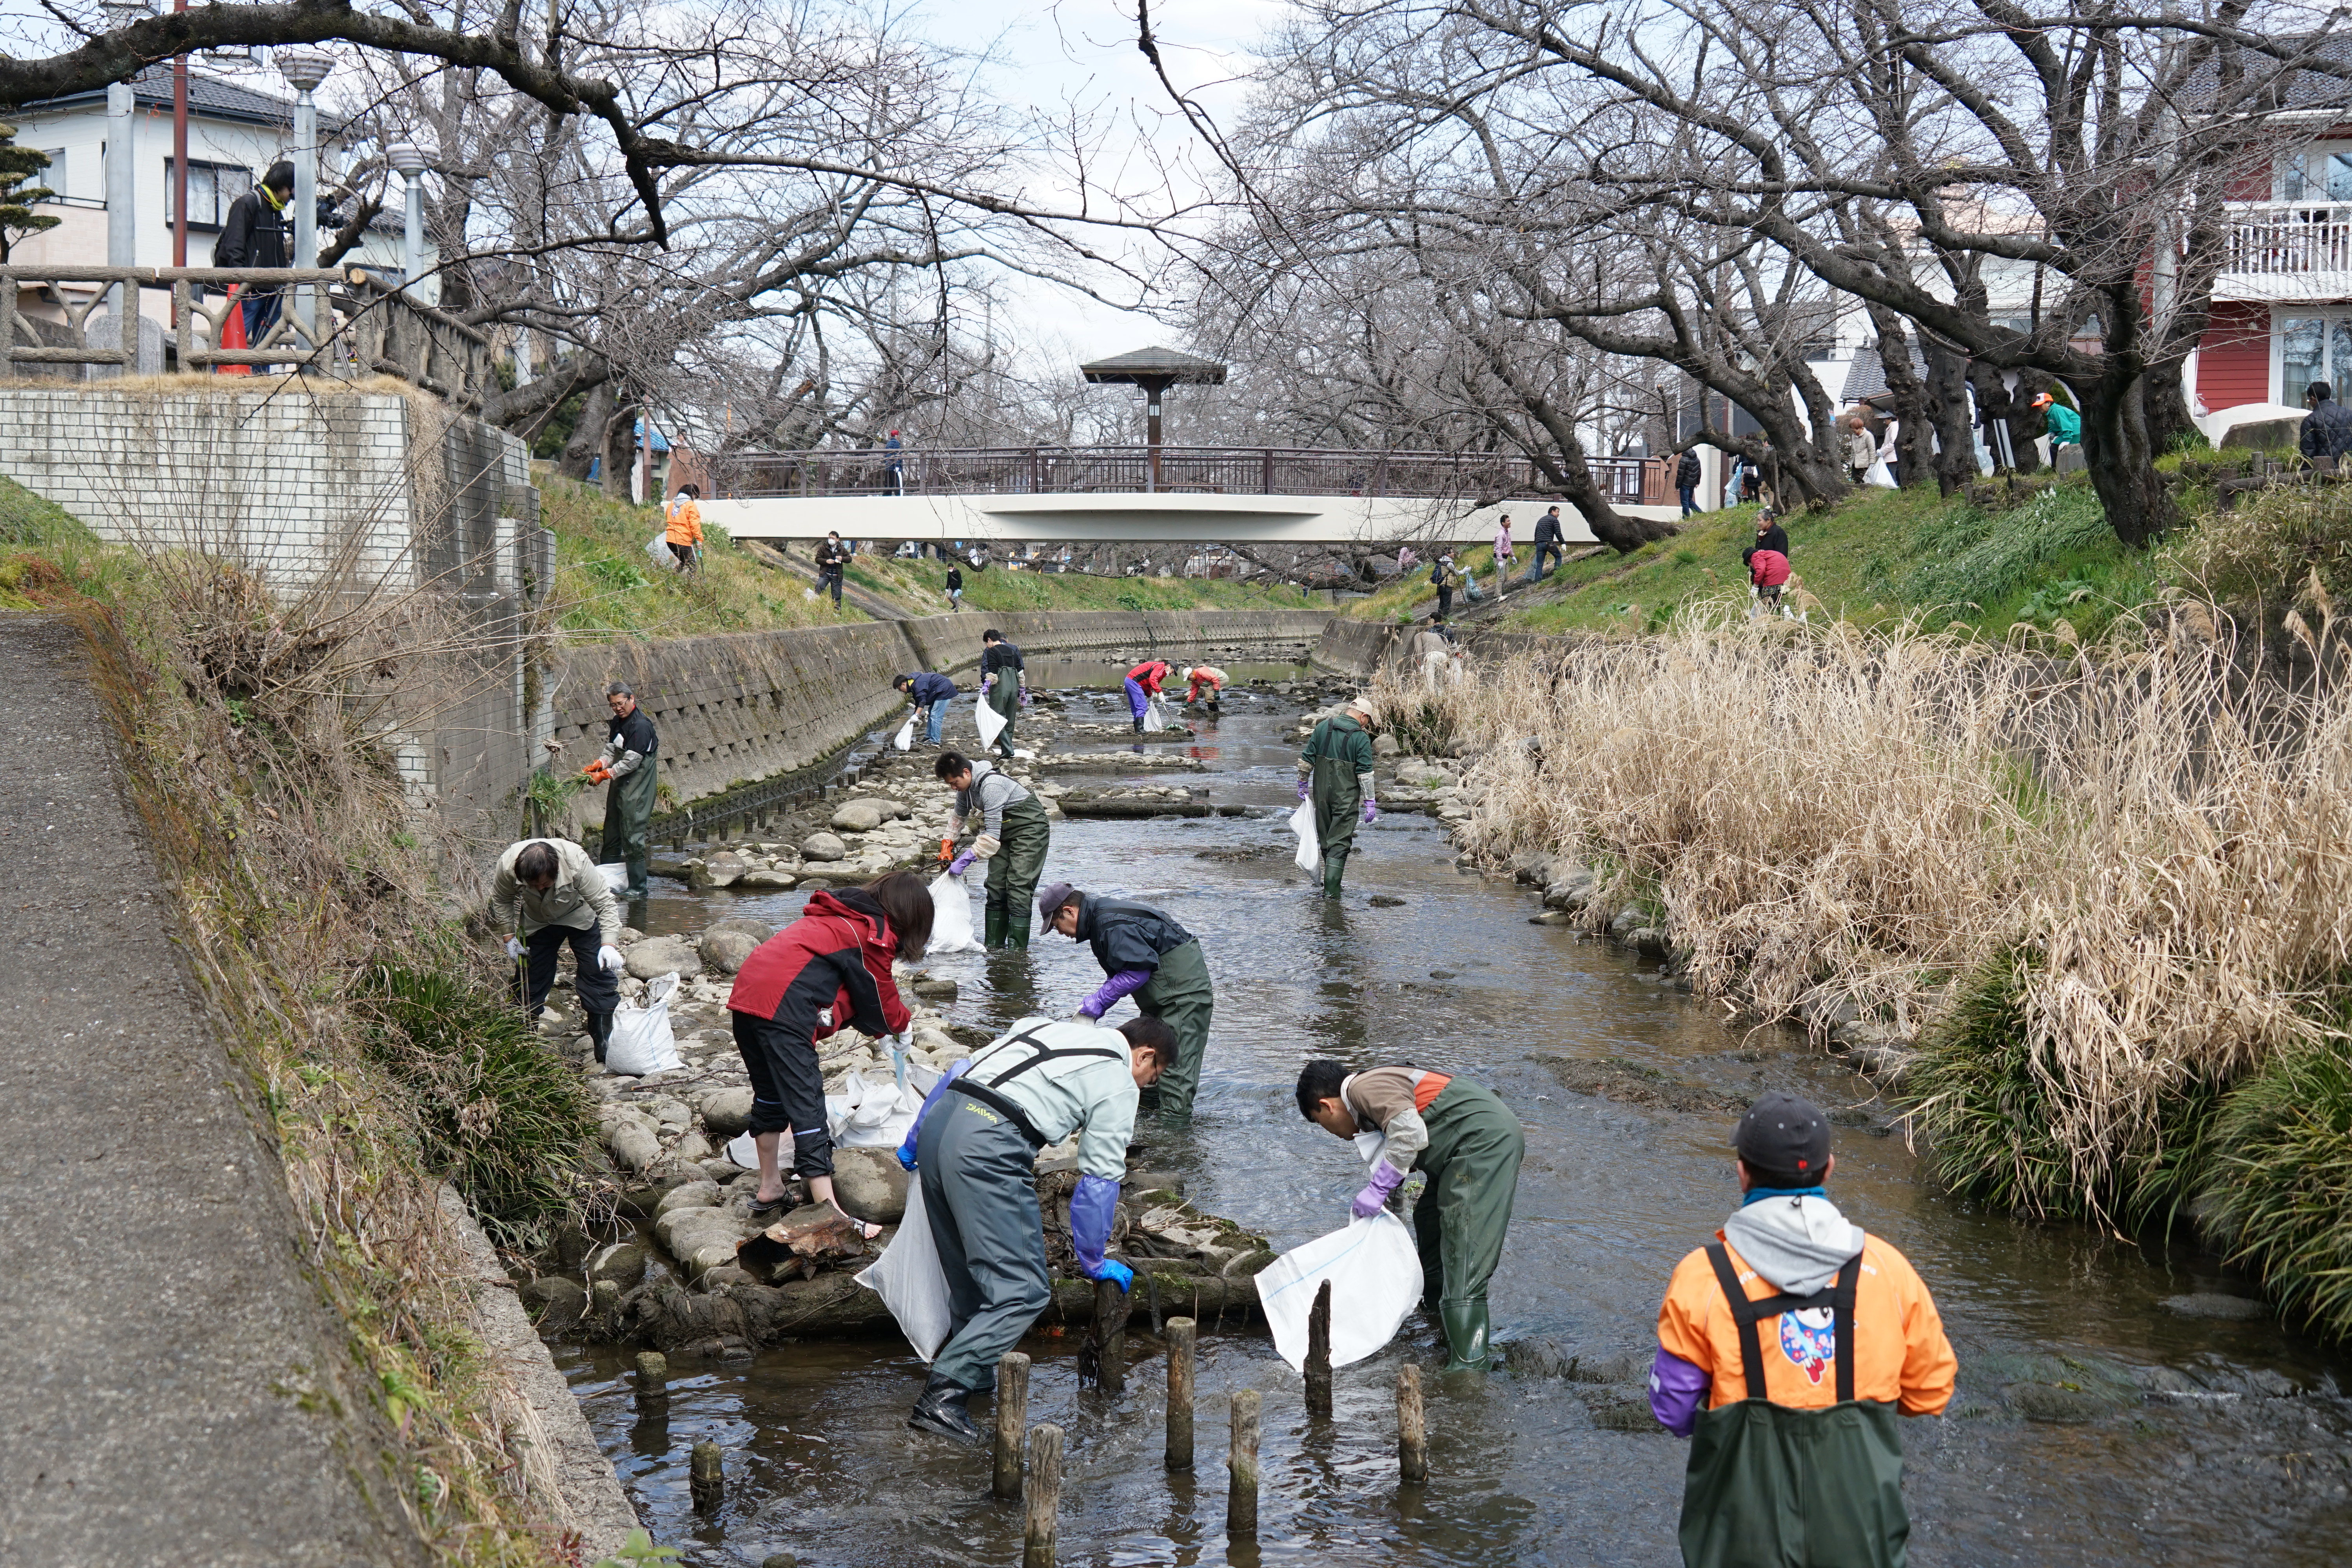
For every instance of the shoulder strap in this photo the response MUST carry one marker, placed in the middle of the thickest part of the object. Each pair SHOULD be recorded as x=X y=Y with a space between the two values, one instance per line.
x=1039 y=1052
x=1838 y=1297
x=1751 y=1346
x=1848 y=1280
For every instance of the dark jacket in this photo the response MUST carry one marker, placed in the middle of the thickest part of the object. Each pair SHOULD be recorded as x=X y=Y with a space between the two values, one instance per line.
x=1773 y=538
x=832 y=557
x=1000 y=656
x=2328 y=430
x=1127 y=935
x=254 y=235
x=636 y=732
x=955 y=580
x=930 y=687
x=1547 y=530
x=836 y=955
x=1686 y=472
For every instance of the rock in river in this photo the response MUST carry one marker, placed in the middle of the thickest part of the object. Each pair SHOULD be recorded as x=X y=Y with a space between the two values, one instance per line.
x=857 y=816
x=721 y=869
x=871 y=1184
x=728 y=1112
x=725 y=950
x=823 y=846
x=658 y=956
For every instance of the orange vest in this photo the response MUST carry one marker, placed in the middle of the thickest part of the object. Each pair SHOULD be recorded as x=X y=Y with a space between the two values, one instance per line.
x=684 y=521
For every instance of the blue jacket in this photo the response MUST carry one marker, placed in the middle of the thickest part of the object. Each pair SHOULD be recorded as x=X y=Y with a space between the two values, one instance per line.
x=930 y=687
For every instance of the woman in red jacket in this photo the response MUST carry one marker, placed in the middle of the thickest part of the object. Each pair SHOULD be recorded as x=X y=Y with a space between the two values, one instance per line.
x=827 y=969
x=1143 y=685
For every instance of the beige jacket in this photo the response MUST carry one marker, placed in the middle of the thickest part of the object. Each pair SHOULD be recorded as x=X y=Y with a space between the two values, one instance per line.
x=580 y=897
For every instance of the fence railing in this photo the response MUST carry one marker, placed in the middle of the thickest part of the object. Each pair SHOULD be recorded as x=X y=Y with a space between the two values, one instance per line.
x=1181 y=470
x=2288 y=239
x=337 y=322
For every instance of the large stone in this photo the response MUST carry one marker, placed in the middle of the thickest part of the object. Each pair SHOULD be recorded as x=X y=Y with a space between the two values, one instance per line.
x=659 y=955
x=722 y=869
x=624 y=1263
x=727 y=1112
x=632 y=1145
x=692 y=1147
x=870 y=1183
x=934 y=988
x=692 y=1195
x=1384 y=746
x=725 y=950
x=857 y=816
x=767 y=882
x=554 y=1299
x=823 y=846
x=758 y=931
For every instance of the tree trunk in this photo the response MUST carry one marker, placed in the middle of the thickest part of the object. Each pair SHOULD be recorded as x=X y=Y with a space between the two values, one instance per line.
x=588 y=436
x=620 y=450
x=1914 y=461
x=2122 y=461
x=1948 y=408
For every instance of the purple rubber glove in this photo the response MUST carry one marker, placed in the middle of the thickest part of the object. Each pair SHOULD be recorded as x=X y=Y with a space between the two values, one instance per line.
x=906 y=1149
x=961 y=864
x=1371 y=812
x=1108 y=994
x=1302 y=790
x=1375 y=1195
x=1024 y=696
x=1093 y=1208
x=985 y=682
x=1676 y=1391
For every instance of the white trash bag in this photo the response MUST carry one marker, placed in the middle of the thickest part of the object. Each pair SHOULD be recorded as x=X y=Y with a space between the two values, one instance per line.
x=1375 y=1274
x=908 y=1278
x=641 y=1041
x=658 y=548
x=1310 y=843
x=905 y=738
x=1880 y=475
x=951 y=917
x=990 y=722
x=1155 y=715
x=617 y=876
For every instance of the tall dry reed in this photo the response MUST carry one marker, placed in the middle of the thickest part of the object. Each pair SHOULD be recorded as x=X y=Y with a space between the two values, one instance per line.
x=2148 y=848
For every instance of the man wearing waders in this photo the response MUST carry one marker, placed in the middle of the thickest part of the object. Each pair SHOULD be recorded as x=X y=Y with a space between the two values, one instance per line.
x=547 y=892
x=1336 y=771
x=1468 y=1143
x=628 y=766
x=1003 y=686
x=1784 y=1350
x=1149 y=955
x=1013 y=837
x=974 y=1144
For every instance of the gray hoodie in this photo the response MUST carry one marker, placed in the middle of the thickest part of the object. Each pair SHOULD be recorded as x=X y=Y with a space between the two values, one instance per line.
x=1797 y=1244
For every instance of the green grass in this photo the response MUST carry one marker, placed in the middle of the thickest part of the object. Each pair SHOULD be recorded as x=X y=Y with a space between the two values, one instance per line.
x=2280 y=1182
x=921 y=586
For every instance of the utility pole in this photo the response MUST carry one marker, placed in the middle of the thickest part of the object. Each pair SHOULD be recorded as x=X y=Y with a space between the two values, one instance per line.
x=304 y=70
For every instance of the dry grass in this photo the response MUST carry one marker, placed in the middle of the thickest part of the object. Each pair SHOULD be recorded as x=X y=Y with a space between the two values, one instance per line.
x=2152 y=854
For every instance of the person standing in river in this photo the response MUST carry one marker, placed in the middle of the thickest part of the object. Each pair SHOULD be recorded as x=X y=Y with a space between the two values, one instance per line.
x=1012 y=835
x=1468 y=1144
x=629 y=768
x=1003 y=686
x=974 y=1147
x=1785 y=1348
x=547 y=892
x=1336 y=771
x=1146 y=955
x=1143 y=683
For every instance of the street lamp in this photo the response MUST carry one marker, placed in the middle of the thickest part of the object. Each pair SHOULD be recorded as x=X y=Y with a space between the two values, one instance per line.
x=122 y=159
x=304 y=70
x=408 y=161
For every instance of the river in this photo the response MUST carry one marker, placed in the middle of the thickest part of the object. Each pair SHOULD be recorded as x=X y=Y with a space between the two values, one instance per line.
x=2153 y=1436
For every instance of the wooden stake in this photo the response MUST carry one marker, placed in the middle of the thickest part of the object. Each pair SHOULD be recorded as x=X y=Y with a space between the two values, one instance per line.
x=1182 y=1332
x=1111 y=1318
x=1319 y=1353
x=1241 y=1492
x=706 y=1475
x=1044 y=1497
x=1412 y=1428
x=1011 y=1415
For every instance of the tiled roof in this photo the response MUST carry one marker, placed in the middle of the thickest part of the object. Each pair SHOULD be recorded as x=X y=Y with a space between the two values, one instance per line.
x=207 y=95
x=1865 y=374
x=1154 y=361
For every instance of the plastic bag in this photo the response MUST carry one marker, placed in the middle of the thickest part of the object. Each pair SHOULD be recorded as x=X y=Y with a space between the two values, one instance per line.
x=1375 y=1276
x=617 y=876
x=990 y=722
x=641 y=1041
x=1470 y=587
x=658 y=548
x=908 y=1278
x=1310 y=843
x=1155 y=715
x=905 y=738
x=1879 y=474
x=951 y=917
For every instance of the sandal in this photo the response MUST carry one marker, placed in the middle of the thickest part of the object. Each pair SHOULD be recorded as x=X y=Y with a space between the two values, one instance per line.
x=760 y=1207
x=865 y=1232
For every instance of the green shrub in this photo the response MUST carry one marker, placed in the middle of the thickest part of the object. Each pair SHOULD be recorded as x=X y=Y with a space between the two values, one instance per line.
x=2281 y=1182
x=1975 y=557
x=1983 y=1098
x=2263 y=554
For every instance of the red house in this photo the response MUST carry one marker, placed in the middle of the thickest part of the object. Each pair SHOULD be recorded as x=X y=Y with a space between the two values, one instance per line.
x=2282 y=304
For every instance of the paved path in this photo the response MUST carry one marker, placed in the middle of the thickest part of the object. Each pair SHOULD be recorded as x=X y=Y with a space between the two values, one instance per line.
x=154 y=1324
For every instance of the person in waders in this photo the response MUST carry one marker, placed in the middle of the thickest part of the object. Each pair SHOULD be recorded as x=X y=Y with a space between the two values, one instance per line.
x=1013 y=837
x=628 y=767
x=1143 y=683
x=1785 y=1348
x=1336 y=771
x=547 y=892
x=1468 y=1143
x=1004 y=686
x=974 y=1146
x=1158 y=961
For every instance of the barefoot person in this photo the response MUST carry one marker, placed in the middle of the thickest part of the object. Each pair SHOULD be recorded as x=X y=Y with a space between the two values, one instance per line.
x=834 y=960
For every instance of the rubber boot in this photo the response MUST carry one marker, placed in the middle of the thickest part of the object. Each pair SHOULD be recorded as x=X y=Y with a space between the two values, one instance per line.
x=1465 y=1336
x=1138 y=726
x=600 y=1033
x=1335 y=866
x=991 y=927
x=942 y=1410
x=636 y=890
x=1017 y=929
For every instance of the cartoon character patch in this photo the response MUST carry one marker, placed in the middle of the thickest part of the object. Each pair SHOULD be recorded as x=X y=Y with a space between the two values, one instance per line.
x=1809 y=1339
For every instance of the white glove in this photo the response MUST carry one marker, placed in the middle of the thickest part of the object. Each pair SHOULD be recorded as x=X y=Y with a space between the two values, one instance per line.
x=986 y=844
x=514 y=948
x=610 y=958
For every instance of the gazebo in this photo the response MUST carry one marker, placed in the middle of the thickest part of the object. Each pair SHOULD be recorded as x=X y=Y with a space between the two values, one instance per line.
x=1155 y=370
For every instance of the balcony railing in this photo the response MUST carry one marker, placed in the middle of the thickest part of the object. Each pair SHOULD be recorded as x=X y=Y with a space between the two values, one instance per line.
x=2288 y=239
x=1181 y=470
x=362 y=328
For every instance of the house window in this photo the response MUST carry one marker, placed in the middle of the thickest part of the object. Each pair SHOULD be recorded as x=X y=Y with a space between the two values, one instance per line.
x=212 y=188
x=2313 y=347
x=2319 y=175
x=54 y=176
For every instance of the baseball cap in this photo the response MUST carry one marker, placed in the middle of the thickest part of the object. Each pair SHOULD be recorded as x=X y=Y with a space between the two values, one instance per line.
x=1784 y=1141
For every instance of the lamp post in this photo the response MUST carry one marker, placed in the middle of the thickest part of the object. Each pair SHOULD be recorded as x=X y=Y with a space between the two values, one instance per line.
x=408 y=162
x=122 y=162
x=304 y=70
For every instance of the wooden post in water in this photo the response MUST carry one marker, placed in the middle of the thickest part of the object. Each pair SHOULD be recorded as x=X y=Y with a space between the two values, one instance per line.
x=1044 y=1497
x=1110 y=1323
x=706 y=1475
x=1011 y=1415
x=1240 y=1490
x=1182 y=1332
x=1412 y=1428
x=1319 y=1353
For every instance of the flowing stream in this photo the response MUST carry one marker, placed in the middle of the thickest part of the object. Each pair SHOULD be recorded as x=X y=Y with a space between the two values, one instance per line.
x=2095 y=1424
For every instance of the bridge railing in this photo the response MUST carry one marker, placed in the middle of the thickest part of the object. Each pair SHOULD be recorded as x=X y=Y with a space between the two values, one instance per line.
x=1182 y=471
x=362 y=327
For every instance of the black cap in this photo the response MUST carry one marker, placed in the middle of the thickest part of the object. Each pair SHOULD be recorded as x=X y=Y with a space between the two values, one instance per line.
x=1783 y=1141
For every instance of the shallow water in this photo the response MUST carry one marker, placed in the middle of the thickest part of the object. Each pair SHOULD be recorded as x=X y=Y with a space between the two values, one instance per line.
x=2243 y=1456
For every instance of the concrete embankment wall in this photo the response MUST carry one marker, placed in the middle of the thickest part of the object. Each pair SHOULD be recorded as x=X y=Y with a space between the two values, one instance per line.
x=741 y=706
x=1356 y=648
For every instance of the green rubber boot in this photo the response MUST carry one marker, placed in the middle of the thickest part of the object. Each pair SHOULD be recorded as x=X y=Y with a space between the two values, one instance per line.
x=1335 y=866
x=1017 y=929
x=1465 y=1336
x=991 y=928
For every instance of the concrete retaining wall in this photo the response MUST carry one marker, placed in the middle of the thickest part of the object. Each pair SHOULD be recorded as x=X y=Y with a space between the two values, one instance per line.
x=1356 y=648
x=743 y=705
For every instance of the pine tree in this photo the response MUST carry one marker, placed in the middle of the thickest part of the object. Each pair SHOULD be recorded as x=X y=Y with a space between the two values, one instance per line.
x=18 y=218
